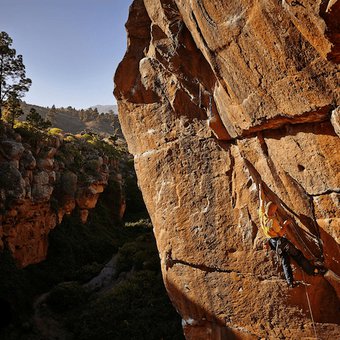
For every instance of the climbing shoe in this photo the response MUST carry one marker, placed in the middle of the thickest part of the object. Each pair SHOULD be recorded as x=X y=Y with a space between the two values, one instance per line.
x=291 y=284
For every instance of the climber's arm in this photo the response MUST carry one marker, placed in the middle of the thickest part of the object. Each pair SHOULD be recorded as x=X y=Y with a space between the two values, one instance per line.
x=285 y=224
x=261 y=197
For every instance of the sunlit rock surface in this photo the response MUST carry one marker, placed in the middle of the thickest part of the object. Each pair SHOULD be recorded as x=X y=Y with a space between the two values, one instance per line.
x=215 y=96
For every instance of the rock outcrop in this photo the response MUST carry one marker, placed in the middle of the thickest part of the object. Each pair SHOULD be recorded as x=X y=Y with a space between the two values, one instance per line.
x=42 y=178
x=214 y=98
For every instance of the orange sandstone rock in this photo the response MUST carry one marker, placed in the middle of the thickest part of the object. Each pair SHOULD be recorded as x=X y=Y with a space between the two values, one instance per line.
x=215 y=97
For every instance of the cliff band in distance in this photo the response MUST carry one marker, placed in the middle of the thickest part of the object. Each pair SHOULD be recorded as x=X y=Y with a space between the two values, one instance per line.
x=42 y=178
x=214 y=97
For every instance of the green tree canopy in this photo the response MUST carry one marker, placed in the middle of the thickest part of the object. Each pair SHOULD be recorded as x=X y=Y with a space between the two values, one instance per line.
x=51 y=114
x=13 y=81
x=12 y=109
x=36 y=120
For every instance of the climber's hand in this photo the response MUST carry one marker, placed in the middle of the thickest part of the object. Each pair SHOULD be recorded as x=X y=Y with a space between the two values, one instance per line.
x=260 y=191
x=266 y=245
x=286 y=223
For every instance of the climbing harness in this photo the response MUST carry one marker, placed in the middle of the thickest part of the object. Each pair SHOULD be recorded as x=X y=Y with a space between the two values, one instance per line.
x=278 y=253
x=278 y=250
x=310 y=307
x=317 y=230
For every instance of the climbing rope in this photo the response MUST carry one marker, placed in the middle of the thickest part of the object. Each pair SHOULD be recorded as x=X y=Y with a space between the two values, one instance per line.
x=308 y=233
x=317 y=230
x=210 y=105
x=303 y=242
x=199 y=95
x=310 y=307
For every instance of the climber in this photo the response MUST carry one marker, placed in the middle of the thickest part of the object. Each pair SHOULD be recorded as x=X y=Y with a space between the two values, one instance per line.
x=275 y=232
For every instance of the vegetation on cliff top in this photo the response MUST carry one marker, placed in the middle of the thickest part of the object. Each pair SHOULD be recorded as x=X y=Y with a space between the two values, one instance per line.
x=13 y=81
x=75 y=121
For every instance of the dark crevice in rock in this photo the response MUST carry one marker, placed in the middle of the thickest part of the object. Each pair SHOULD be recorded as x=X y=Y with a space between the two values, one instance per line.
x=330 y=12
x=263 y=144
x=296 y=3
x=316 y=116
x=171 y=11
x=270 y=163
x=212 y=56
x=207 y=269
x=232 y=176
x=254 y=229
x=327 y=192
x=204 y=267
x=316 y=228
x=278 y=122
x=301 y=167
x=308 y=221
x=206 y=14
x=170 y=262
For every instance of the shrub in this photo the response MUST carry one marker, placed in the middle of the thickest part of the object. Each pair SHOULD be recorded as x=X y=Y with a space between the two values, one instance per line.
x=70 y=138
x=55 y=131
x=142 y=223
x=141 y=253
x=106 y=148
x=31 y=134
x=137 y=308
x=88 y=271
x=35 y=119
x=86 y=136
x=66 y=295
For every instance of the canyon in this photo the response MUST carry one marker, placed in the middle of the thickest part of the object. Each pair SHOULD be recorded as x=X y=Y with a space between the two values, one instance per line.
x=214 y=98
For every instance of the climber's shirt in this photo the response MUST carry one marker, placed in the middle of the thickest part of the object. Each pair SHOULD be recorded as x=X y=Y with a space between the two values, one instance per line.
x=270 y=225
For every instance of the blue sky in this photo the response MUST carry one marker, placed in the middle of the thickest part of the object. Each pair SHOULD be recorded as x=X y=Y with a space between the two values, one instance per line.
x=71 y=48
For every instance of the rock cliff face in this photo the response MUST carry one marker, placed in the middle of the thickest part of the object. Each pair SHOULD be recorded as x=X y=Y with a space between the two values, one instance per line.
x=214 y=97
x=42 y=178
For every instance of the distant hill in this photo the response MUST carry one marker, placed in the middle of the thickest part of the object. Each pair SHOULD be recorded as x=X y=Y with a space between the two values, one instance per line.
x=106 y=108
x=77 y=121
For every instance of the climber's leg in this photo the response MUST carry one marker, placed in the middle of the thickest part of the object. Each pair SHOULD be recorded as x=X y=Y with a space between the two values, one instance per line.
x=287 y=269
x=277 y=245
x=297 y=255
x=273 y=243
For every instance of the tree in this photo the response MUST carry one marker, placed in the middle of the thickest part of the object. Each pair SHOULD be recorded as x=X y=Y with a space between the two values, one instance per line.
x=12 y=109
x=37 y=121
x=13 y=81
x=51 y=114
